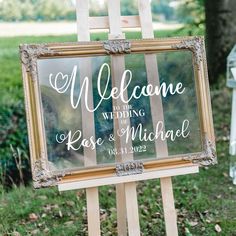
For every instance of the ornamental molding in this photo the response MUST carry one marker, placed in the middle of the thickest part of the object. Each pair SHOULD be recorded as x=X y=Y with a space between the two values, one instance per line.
x=43 y=176
x=207 y=157
x=196 y=45
x=117 y=46
x=129 y=168
x=30 y=54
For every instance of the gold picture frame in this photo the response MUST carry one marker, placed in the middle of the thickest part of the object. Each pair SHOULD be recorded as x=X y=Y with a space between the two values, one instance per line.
x=43 y=175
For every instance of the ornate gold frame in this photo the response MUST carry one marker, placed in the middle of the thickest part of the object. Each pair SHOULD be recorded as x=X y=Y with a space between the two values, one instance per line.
x=42 y=176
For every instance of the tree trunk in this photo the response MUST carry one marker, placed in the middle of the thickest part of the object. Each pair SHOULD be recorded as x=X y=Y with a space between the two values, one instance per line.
x=220 y=34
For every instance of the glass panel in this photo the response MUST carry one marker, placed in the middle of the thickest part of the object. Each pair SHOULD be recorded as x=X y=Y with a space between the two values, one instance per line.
x=180 y=110
x=63 y=88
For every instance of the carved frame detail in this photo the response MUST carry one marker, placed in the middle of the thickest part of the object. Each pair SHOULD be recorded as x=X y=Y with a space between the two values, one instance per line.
x=129 y=168
x=206 y=158
x=196 y=45
x=43 y=176
x=117 y=46
x=30 y=54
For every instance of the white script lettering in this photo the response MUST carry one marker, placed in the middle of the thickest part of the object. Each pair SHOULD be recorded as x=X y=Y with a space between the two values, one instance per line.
x=61 y=83
x=143 y=135
x=72 y=139
x=123 y=114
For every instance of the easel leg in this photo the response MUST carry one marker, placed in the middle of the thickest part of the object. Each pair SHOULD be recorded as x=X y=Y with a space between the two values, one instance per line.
x=124 y=201
x=151 y=65
x=121 y=210
x=93 y=214
x=132 y=209
x=92 y=197
x=169 y=207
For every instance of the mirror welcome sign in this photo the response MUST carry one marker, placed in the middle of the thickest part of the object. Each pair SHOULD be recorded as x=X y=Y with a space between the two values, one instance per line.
x=88 y=119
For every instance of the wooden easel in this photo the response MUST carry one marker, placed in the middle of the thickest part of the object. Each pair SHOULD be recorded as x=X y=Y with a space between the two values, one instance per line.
x=127 y=206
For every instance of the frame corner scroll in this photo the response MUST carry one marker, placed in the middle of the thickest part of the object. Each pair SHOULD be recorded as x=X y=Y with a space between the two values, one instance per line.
x=129 y=168
x=207 y=157
x=196 y=45
x=43 y=176
x=115 y=46
x=29 y=55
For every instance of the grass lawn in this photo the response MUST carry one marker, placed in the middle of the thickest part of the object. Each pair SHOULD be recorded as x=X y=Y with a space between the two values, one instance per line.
x=205 y=202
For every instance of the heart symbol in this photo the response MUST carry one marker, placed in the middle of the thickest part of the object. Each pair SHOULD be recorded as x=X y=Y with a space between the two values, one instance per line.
x=60 y=82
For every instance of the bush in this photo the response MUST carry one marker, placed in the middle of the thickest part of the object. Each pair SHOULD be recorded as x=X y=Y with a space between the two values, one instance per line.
x=14 y=161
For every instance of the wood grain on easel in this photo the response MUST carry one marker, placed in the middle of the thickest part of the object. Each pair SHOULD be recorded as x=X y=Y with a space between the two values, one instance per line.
x=102 y=22
x=158 y=115
x=124 y=192
x=93 y=211
x=191 y=169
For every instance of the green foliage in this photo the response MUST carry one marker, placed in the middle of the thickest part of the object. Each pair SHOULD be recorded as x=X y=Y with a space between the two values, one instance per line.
x=51 y=10
x=42 y=212
x=14 y=162
x=48 y=10
x=97 y=8
x=26 y=10
x=128 y=8
x=162 y=7
x=192 y=14
x=10 y=10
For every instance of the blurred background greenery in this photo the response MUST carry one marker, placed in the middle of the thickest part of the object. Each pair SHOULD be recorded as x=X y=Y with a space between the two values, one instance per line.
x=50 y=10
x=205 y=202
